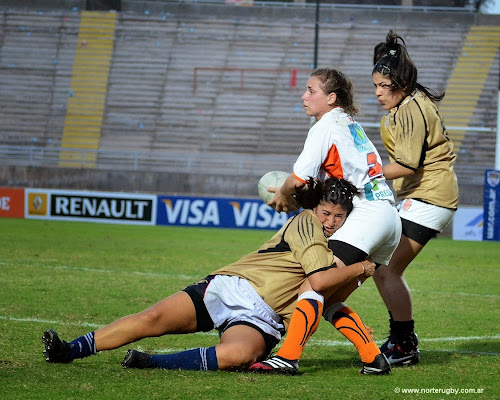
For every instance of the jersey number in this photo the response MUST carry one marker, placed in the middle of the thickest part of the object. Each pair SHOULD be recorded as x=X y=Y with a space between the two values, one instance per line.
x=374 y=168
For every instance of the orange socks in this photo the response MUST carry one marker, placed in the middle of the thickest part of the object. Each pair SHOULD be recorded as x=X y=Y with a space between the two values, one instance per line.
x=304 y=322
x=350 y=325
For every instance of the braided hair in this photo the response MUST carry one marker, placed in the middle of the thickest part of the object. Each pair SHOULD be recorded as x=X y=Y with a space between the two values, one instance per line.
x=332 y=190
x=391 y=59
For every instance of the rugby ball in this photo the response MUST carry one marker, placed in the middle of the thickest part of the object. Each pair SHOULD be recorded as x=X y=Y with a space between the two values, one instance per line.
x=271 y=179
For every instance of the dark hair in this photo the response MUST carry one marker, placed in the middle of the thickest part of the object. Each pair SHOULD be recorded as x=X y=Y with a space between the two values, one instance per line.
x=391 y=59
x=335 y=81
x=332 y=190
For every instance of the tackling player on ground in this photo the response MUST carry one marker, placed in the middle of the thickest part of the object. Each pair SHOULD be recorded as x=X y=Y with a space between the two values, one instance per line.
x=249 y=302
x=337 y=146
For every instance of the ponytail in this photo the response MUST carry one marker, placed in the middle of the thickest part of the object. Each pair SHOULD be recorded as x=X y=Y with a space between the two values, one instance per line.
x=391 y=59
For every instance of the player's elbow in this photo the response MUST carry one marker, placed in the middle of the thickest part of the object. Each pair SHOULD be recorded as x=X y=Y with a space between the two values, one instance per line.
x=317 y=283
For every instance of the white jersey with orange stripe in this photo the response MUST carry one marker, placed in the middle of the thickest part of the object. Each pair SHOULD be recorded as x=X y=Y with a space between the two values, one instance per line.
x=337 y=146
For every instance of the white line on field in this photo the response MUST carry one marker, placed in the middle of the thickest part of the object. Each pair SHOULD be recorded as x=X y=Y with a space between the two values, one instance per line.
x=313 y=342
x=434 y=292
x=76 y=323
x=493 y=296
x=108 y=271
x=51 y=322
x=464 y=352
x=197 y=278
x=452 y=339
x=337 y=343
x=476 y=353
x=320 y=342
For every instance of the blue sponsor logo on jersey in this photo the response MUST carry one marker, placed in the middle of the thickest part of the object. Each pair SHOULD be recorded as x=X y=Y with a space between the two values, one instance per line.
x=374 y=192
x=361 y=141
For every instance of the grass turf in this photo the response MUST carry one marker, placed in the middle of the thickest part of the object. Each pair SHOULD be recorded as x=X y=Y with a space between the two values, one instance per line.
x=75 y=277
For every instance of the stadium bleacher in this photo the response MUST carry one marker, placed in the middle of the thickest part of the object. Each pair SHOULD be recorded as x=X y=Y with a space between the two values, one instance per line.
x=241 y=103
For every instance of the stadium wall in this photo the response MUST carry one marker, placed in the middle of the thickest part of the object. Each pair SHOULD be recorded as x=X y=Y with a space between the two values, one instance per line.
x=200 y=183
x=129 y=181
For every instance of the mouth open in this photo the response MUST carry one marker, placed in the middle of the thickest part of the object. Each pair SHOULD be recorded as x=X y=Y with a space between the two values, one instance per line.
x=328 y=231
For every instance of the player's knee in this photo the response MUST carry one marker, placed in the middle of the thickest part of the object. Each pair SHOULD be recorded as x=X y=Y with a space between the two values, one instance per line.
x=236 y=357
x=389 y=271
x=381 y=273
x=149 y=317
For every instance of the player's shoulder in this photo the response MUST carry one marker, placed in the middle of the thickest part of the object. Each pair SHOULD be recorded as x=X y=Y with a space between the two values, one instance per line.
x=303 y=221
x=338 y=117
x=331 y=126
x=411 y=109
x=304 y=214
x=417 y=103
x=305 y=230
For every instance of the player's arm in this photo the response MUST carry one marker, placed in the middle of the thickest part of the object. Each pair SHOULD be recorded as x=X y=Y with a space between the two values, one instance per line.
x=331 y=278
x=283 y=200
x=309 y=246
x=411 y=133
x=395 y=170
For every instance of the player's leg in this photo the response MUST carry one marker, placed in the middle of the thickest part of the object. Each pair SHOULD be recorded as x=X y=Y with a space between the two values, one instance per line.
x=304 y=322
x=175 y=314
x=379 y=237
x=307 y=313
x=420 y=223
x=249 y=328
x=401 y=347
x=349 y=324
x=202 y=358
x=390 y=281
x=241 y=344
x=368 y=227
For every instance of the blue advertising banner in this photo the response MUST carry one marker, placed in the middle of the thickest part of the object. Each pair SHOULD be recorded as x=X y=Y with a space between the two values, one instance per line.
x=468 y=223
x=491 y=227
x=218 y=213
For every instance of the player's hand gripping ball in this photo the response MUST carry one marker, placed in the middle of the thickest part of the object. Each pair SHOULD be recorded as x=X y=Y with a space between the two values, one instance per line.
x=271 y=179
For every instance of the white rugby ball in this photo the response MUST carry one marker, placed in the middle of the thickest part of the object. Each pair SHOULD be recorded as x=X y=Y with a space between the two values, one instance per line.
x=271 y=179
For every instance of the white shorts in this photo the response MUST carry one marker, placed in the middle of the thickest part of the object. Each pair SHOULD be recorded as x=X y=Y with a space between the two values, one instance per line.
x=428 y=215
x=232 y=299
x=373 y=227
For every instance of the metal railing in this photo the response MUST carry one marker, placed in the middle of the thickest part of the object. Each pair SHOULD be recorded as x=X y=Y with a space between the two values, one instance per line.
x=174 y=161
x=304 y=4
x=193 y=163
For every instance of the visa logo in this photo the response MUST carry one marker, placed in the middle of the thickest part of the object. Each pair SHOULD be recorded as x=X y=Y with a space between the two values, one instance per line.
x=257 y=215
x=192 y=212
x=222 y=213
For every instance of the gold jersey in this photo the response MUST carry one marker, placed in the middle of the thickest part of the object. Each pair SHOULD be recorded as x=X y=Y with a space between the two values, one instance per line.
x=280 y=266
x=415 y=137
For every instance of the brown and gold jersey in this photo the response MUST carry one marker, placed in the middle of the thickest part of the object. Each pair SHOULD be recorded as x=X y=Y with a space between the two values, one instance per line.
x=281 y=265
x=415 y=137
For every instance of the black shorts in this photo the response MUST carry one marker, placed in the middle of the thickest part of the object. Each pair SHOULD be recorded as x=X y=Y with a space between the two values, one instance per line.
x=416 y=232
x=346 y=253
x=204 y=322
x=196 y=291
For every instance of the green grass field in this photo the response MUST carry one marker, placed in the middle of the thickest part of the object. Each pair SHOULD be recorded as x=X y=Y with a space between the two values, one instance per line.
x=75 y=277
